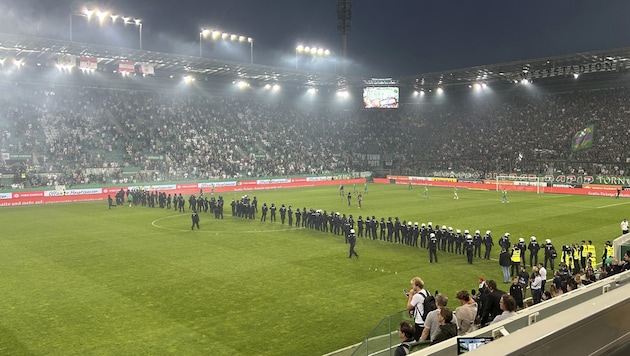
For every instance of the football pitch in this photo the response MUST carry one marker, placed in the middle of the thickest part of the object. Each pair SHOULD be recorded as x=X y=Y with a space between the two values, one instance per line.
x=79 y=279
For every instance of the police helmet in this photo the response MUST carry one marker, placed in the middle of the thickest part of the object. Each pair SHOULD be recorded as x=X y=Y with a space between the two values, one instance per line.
x=533 y=238
x=415 y=224
x=477 y=232
x=548 y=241
x=521 y=240
x=466 y=232
x=430 y=223
x=432 y=235
x=488 y=232
x=352 y=231
x=459 y=231
x=507 y=234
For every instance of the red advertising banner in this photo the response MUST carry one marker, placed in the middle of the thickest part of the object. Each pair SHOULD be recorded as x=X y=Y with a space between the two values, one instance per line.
x=18 y=198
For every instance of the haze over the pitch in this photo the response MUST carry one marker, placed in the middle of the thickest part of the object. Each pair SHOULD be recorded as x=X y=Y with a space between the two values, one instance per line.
x=393 y=38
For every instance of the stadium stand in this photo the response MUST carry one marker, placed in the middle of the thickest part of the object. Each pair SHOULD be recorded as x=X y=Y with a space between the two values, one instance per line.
x=73 y=132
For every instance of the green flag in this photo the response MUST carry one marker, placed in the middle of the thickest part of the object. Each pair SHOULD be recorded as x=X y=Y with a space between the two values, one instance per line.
x=583 y=138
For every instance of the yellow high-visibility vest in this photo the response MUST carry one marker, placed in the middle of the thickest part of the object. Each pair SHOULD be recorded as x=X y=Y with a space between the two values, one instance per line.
x=516 y=255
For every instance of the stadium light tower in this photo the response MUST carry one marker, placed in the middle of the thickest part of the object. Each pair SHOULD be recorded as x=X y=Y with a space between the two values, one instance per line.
x=344 y=25
x=310 y=50
x=102 y=18
x=216 y=35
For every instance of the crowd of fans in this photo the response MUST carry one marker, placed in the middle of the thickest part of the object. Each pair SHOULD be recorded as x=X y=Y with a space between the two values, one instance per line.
x=74 y=135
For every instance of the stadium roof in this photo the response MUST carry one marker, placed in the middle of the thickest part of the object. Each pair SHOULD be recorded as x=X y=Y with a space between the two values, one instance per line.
x=48 y=50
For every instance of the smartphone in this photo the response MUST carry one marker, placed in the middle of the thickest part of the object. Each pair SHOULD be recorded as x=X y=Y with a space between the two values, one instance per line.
x=406 y=293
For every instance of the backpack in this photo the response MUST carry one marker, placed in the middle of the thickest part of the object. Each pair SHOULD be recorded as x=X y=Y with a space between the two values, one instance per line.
x=428 y=304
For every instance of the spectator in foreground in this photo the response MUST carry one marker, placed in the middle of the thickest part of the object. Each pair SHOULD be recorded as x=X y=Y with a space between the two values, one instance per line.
x=432 y=323
x=466 y=313
x=492 y=307
x=405 y=332
x=447 y=328
x=508 y=306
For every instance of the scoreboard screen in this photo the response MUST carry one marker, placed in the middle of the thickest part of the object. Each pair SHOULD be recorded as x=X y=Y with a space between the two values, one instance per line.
x=381 y=97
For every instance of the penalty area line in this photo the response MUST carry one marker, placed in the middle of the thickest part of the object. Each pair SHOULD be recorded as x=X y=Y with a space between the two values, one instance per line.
x=611 y=205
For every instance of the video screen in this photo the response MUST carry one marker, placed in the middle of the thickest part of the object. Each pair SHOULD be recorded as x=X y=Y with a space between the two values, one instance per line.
x=381 y=97
x=467 y=344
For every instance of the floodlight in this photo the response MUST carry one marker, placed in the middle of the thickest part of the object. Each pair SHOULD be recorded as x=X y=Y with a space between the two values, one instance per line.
x=250 y=40
x=524 y=81
x=18 y=62
x=233 y=37
x=484 y=86
x=311 y=90
x=188 y=79
x=241 y=38
x=242 y=84
x=205 y=32
x=576 y=75
x=114 y=17
x=439 y=90
x=126 y=20
x=215 y=34
x=314 y=50
x=138 y=22
x=307 y=49
x=88 y=13
x=2 y=61
x=224 y=35
x=299 y=48
x=477 y=86
x=276 y=87
x=268 y=86
x=327 y=52
x=101 y=15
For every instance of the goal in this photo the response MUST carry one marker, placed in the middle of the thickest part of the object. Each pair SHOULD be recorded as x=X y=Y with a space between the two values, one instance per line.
x=506 y=181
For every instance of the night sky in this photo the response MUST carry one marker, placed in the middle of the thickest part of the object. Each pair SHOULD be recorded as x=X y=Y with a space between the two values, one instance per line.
x=388 y=38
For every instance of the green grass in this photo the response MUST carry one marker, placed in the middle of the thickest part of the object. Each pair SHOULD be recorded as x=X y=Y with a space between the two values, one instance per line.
x=78 y=279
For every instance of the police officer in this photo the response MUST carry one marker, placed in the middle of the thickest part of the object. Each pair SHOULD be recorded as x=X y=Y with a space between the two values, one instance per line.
x=533 y=247
x=298 y=215
x=360 y=225
x=382 y=225
x=450 y=240
x=550 y=254
x=469 y=246
x=290 y=215
x=432 y=248
x=264 y=209
x=283 y=213
x=390 y=229
x=352 y=240
x=195 y=220
x=424 y=235
x=477 y=243
x=272 y=211
x=504 y=241
x=488 y=243
x=522 y=247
